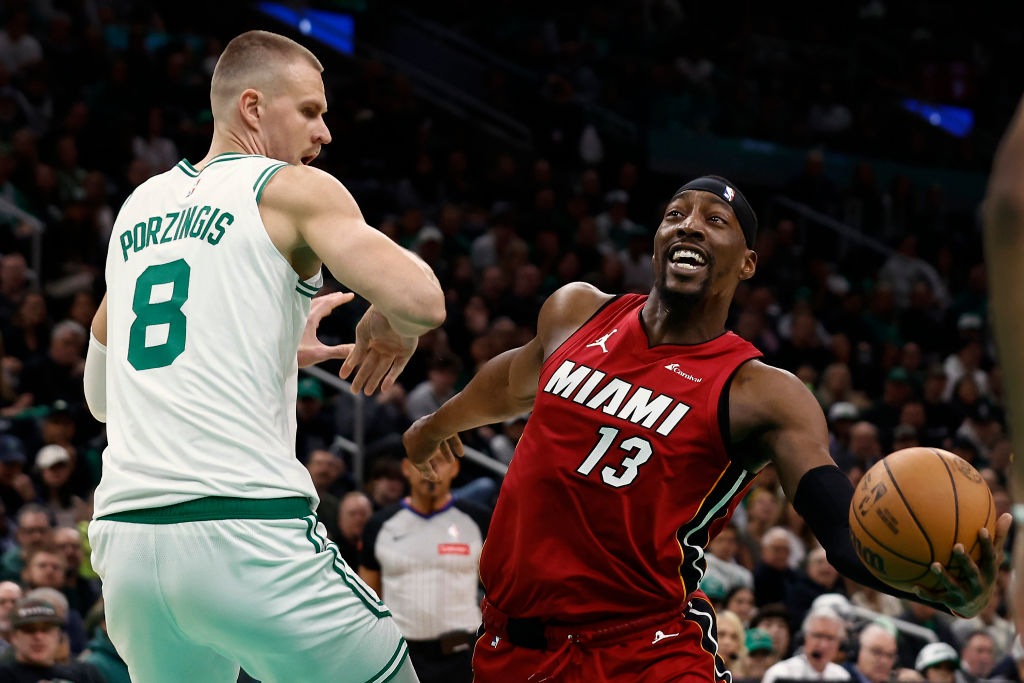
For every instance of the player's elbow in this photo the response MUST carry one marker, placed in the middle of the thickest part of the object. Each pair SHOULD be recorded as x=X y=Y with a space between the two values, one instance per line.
x=420 y=312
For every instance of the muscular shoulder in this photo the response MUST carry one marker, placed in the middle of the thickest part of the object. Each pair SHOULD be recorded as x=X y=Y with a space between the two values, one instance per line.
x=763 y=398
x=302 y=190
x=566 y=310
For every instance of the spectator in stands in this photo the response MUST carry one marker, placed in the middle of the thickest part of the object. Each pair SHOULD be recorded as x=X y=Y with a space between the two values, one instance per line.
x=314 y=429
x=760 y=654
x=876 y=655
x=36 y=639
x=10 y=593
x=740 y=601
x=58 y=373
x=35 y=530
x=103 y=656
x=938 y=662
x=324 y=469
x=386 y=484
x=763 y=509
x=865 y=446
x=16 y=487
x=73 y=638
x=27 y=333
x=732 y=645
x=978 y=655
x=354 y=512
x=1001 y=630
x=927 y=617
x=721 y=559
x=773 y=579
x=53 y=487
x=817 y=578
x=824 y=633
x=776 y=620
x=439 y=386
x=421 y=555
x=81 y=592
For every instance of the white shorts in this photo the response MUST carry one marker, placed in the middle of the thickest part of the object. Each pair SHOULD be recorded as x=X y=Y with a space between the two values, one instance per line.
x=192 y=591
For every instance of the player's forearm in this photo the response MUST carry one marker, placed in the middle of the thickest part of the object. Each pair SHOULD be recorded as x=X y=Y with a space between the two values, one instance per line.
x=421 y=308
x=488 y=398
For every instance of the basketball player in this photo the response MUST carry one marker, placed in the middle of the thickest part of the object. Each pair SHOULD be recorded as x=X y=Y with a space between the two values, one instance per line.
x=1004 y=254
x=649 y=422
x=204 y=533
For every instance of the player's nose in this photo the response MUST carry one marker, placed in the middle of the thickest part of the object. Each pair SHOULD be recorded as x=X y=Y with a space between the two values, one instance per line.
x=323 y=134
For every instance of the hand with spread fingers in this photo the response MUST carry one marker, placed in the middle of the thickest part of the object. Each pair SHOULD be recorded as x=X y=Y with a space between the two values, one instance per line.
x=425 y=450
x=965 y=587
x=379 y=353
x=311 y=349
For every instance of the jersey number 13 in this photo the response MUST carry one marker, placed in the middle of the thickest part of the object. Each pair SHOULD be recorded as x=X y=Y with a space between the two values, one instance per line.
x=639 y=450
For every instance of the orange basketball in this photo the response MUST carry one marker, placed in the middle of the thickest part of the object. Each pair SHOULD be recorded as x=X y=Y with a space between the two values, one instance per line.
x=912 y=507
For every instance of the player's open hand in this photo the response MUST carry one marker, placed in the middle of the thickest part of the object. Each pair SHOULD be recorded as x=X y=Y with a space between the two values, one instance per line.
x=427 y=451
x=311 y=349
x=966 y=587
x=380 y=353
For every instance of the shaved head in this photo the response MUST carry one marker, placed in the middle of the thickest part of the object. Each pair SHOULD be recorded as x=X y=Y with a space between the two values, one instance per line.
x=258 y=60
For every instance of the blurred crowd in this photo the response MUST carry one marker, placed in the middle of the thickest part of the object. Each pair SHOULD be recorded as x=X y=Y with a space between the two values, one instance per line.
x=95 y=97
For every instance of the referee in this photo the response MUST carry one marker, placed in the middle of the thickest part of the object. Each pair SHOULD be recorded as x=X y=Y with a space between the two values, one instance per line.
x=421 y=555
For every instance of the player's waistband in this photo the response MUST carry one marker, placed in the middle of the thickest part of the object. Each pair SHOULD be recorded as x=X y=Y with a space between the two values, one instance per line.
x=536 y=634
x=216 y=507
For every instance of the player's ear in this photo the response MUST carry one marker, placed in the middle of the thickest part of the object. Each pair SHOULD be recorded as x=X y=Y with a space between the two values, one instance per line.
x=250 y=106
x=749 y=265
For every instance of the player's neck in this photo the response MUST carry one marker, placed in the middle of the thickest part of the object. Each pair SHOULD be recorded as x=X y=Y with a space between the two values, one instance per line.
x=426 y=505
x=668 y=324
x=230 y=142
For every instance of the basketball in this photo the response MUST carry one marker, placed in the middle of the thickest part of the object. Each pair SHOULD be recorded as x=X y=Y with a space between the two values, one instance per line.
x=912 y=507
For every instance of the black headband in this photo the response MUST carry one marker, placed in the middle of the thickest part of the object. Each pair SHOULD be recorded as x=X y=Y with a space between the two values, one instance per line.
x=723 y=188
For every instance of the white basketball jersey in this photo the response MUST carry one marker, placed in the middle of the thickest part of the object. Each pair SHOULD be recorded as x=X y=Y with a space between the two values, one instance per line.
x=204 y=317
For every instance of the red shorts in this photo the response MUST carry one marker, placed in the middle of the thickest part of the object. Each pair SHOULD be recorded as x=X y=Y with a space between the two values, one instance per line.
x=677 y=647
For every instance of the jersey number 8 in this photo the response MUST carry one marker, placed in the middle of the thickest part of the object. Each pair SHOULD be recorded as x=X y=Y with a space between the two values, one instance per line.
x=165 y=312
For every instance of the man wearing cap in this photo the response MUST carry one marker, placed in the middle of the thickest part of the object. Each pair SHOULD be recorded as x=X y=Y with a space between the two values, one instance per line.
x=15 y=486
x=760 y=653
x=314 y=428
x=35 y=639
x=938 y=662
x=650 y=421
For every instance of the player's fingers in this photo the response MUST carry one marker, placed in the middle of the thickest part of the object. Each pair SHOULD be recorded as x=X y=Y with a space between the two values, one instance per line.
x=377 y=375
x=363 y=373
x=355 y=357
x=336 y=352
x=397 y=366
x=446 y=451
x=455 y=443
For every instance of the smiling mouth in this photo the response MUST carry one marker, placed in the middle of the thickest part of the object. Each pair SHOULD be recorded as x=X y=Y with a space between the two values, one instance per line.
x=687 y=259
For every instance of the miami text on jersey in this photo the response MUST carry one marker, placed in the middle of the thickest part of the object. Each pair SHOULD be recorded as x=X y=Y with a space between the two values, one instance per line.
x=579 y=383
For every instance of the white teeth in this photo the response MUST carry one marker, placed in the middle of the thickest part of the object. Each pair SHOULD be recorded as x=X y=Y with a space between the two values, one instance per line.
x=680 y=253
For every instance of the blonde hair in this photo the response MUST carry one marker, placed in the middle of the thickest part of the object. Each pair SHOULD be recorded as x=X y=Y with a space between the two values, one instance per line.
x=251 y=60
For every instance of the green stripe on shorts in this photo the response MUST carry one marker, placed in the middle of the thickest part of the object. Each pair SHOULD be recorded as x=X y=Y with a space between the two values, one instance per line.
x=393 y=665
x=354 y=583
x=217 y=507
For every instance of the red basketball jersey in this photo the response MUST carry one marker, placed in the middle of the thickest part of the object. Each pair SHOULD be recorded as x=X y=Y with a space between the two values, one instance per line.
x=621 y=477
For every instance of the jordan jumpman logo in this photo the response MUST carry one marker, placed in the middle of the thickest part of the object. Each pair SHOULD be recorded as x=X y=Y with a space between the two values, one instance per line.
x=602 y=341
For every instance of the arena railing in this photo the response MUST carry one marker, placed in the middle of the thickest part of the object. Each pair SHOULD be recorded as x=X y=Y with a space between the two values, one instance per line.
x=37 y=227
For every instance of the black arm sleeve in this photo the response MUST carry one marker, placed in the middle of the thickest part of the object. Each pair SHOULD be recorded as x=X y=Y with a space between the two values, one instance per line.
x=823 y=499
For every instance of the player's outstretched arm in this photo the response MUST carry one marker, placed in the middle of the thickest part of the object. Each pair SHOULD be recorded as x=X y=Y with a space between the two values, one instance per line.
x=790 y=431
x=314 y=218
x=1004 y=253
x=506 y=385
